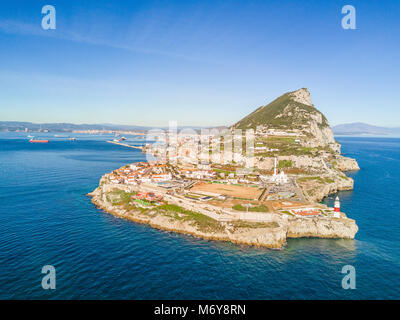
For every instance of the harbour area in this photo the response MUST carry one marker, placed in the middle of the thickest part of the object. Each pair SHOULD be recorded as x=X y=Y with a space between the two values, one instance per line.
x=125 y=144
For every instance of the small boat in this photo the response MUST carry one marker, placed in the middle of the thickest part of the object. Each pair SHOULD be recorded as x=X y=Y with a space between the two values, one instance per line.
x=38 y=141
x=120 y=139
x=72 y=139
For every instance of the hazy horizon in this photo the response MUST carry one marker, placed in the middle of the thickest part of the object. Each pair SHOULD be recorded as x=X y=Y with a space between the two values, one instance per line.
x=179 y=125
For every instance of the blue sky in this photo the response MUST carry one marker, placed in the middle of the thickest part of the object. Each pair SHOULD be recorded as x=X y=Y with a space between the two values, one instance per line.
x=196 y=62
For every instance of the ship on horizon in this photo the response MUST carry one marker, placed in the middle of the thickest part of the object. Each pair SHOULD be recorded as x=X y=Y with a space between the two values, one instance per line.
x=33 y=140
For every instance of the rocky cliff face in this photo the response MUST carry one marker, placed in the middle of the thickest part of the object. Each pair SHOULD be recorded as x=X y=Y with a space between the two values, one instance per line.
x=315 y=190
x=346 y=164
x=320 y=135
x=302 y=96
x=324 y=228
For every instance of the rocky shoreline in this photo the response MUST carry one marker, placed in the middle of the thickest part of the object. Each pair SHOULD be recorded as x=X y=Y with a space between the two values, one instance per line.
x=273 y=234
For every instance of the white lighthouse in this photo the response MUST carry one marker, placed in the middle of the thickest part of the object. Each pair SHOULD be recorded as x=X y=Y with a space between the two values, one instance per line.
x=336 y=208
x=337 y=205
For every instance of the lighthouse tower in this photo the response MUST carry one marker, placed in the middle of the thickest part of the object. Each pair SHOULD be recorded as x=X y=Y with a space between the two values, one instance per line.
x=337 y=205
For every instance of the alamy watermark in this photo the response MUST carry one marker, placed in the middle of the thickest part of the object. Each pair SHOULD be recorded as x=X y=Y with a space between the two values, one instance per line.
x=202 y=147
x=49 y=280
x=349 y=20
x=349 y=280
x=49 y=20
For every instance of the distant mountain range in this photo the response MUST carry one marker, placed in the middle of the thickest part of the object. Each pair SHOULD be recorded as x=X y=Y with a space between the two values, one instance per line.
x=353 y=129
x=69 y=127
x=64 y=127
x=359 y=128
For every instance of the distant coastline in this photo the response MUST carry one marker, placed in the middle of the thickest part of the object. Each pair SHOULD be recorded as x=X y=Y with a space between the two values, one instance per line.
x=365 y=130
x=356 y=129
x=365 y=135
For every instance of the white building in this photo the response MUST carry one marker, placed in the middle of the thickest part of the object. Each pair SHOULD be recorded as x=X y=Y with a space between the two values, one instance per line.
x=145 y=179
x=200 y=174
x=278 y=178
x=162 y=177
x=131 y=180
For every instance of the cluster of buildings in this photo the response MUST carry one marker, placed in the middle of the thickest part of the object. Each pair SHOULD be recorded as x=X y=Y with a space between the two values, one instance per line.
x=224 y=147
x=193 y=148
x=200 y=183
x=156 y=172
x=200 y=174
x=141 y=172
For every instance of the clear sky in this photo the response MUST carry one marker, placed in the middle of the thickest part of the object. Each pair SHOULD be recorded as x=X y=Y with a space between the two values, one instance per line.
x=196 y=62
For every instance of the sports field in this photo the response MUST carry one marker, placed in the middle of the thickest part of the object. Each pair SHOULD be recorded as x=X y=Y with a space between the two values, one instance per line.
x=227 y=189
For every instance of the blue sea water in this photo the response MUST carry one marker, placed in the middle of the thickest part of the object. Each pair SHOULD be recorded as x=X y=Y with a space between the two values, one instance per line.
x=47 y=219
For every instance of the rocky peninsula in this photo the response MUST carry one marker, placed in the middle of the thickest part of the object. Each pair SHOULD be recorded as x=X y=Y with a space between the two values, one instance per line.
x=297 y=163
x=271 y=232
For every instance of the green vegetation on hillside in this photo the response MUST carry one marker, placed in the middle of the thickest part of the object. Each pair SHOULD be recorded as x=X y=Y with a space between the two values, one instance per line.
x=322 y=180
x=286 y=147
x=285 y=164
x=246 y=224
x=273 y=115
x=119 y=197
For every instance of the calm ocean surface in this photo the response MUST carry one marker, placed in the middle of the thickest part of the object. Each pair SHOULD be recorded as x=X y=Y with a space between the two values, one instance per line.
x=45 y=218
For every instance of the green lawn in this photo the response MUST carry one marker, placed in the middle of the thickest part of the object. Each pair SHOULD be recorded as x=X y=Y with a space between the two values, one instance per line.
x=203 y=222
x=120 y=197
x=260 y=208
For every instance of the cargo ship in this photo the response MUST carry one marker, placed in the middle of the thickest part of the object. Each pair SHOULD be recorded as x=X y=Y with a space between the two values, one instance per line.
x=38 y=141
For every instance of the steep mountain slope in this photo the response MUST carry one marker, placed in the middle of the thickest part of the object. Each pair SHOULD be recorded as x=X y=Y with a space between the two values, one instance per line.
x=292 y=112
